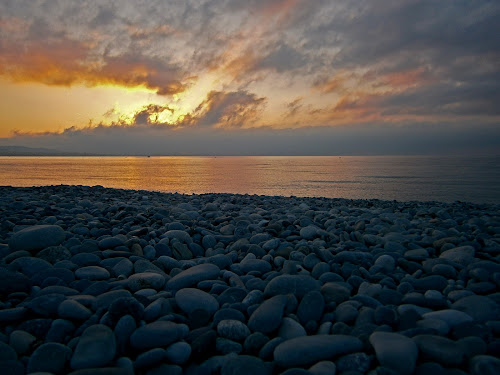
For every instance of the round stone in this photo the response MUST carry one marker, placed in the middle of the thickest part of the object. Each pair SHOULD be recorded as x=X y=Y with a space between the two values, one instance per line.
x=145 y=280
x=178 y=353
x=395 y=351
x=440 y=349
x=49 y=357
x=96 y=348
x=233 y=330
x=306 y=350
x=267 y=317
x=191 y=299
x=37 y=237
x=193 y=276
x=290 y=328
x=485 y=365
x=92 y=273
x=156 y=334
x=72 y=310
x=298 y=285
x=480 y=308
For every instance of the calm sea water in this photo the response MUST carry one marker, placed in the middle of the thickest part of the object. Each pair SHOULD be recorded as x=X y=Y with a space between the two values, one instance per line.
x=402 y=178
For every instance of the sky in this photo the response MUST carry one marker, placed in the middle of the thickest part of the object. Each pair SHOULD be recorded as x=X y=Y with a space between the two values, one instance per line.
x=251 y=76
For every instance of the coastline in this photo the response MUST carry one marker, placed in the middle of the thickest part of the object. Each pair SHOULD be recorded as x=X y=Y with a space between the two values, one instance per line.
x=245 y=283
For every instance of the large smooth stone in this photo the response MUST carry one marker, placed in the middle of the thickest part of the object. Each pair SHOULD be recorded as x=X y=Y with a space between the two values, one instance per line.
x=30 y=266
x=451 y=317
x=440 y=349
x=333 y=292
x=73 y=310
x=258 y=265
x=290 y=329
x=37 y=238
x=484 y=365
x=154 y=335
x=145 y=280
x=7 y=353
x=267 y=317
x=395 y=351
x=179 y=235
x=106 y=299
x=306 y=350
x=46 y=305
x=233 y=330
x=190 y=299
x=480 y=308
x=50 y=357
x=311 y=307
x=298 y=285
x=92 y=273
x=462 y=255
x=96 y=348
x=11 y=282
x=193 y=276
x=178 y=353
x=245 y=364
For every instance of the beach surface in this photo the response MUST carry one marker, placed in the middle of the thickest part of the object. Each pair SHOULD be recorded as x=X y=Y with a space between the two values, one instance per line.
x=107 y=281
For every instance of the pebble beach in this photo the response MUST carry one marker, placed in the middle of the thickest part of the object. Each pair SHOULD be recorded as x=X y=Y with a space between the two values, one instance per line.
x=107 y=281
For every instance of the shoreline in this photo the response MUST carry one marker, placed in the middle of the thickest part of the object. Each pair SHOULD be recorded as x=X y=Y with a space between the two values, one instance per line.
x=358 y=201
x=142 y=282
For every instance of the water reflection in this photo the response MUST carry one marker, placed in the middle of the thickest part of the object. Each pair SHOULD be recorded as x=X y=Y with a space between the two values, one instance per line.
x=401 y=178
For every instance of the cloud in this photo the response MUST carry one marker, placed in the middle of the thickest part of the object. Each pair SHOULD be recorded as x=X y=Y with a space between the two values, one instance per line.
x=219 y=109
x=293 y=107
x=360 y=139
x=229 y=109
x=351 y=62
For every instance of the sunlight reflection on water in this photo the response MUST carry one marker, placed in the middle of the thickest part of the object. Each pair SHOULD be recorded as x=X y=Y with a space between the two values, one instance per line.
x=381 y=177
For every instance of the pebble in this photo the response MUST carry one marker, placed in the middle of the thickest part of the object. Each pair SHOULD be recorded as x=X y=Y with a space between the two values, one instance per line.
x=72 y=310
x=178 y=353
x=395 y=351
x=290 y=328
x=267 y=317
x=145 y=280
x=226 y=283
x=480 y=308
x=245 y=364
x=96 y=348
x=485 y=365
x=462 y=255
x=311 y=307
x=233 y=330
x=440 y=349
x=49 y=357
x=191 y=299
x=21 y=341
x=298 y=285
x=36 y=238
x=451 y=317
x=156 y=334
x=92 y=273
x=323 y=368
x=306 y=350
x=193 y=276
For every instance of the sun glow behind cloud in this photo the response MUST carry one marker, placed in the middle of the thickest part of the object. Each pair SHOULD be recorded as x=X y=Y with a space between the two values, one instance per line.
x=269 y=64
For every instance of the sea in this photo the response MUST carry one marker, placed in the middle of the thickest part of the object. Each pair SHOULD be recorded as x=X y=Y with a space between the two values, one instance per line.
x=402 y=178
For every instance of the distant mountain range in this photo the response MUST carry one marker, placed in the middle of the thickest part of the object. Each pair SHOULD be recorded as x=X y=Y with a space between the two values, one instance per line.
x=32 y=151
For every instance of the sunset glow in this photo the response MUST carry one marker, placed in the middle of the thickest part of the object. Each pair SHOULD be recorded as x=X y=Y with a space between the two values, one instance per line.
x=69 y=66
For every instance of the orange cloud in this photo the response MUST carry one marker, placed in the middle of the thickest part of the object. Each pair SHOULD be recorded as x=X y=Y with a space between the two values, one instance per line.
x=66 y=62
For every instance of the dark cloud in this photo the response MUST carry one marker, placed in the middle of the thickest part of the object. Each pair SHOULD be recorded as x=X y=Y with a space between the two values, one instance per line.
x=373 y=139
x=229 y=109
x=293 y=108
x=353 y=61
x=282 y=59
